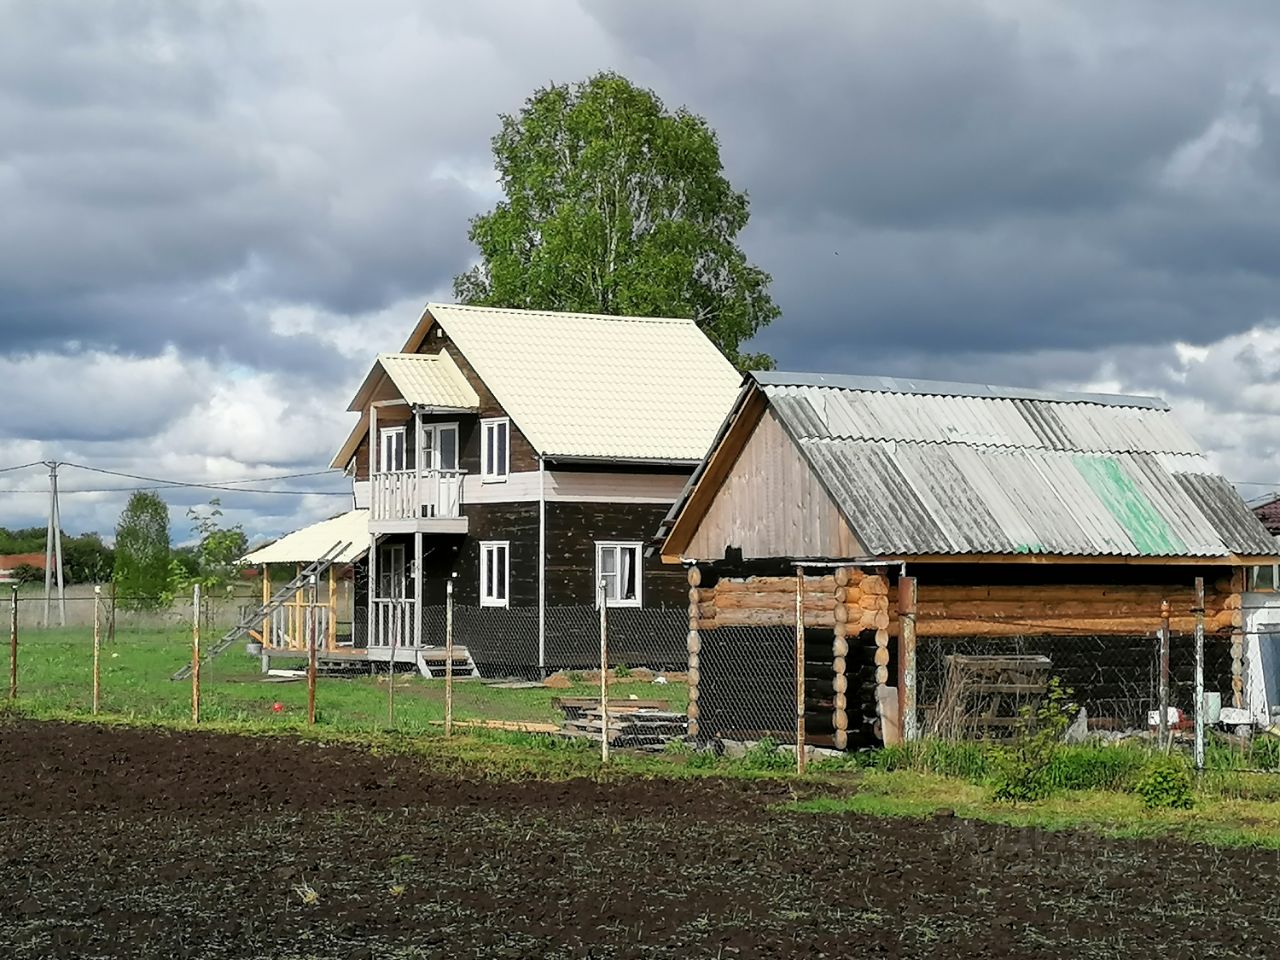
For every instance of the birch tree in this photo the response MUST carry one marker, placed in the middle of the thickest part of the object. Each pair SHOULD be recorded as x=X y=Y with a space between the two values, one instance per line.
x=616 y=205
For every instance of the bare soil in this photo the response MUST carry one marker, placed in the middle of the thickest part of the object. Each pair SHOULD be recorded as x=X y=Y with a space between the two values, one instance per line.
x=131 y=843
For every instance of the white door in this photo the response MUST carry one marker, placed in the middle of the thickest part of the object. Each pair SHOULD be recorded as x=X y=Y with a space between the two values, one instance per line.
x=440 y=446
x=391 y=572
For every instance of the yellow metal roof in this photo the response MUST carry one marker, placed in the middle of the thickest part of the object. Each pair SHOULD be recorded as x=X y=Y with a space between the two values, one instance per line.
x=313 y=542
x=429 y=380
x=585 y=385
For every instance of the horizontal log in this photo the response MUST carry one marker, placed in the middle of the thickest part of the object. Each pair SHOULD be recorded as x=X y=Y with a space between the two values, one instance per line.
x=772 y=601
x=777 y=584
x=962 y=610
x=705 y=609
x=1077 y=626
x=1178 y=598
x=819 y=619
x=875 y=585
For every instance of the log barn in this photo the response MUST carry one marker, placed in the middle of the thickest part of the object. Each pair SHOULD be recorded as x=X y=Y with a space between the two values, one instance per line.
x=927 y=535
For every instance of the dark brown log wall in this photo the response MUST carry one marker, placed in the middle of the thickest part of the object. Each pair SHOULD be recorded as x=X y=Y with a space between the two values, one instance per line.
x=573 y=529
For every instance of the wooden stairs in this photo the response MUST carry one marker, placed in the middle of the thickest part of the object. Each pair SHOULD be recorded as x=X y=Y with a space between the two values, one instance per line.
x=278 y=600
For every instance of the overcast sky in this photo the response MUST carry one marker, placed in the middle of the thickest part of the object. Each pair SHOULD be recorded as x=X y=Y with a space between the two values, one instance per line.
x=212 y=215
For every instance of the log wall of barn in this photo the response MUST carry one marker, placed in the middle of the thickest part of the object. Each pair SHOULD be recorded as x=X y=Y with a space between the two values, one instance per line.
x=1098 y=624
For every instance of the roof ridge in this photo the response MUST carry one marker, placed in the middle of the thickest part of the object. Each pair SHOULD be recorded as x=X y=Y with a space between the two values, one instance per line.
x=633 y=318
x=866 y=383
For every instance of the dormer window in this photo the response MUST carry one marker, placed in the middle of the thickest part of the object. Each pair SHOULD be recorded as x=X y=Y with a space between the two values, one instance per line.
x=495 y=449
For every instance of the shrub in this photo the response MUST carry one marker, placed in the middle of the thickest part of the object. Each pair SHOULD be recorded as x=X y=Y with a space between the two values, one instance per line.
x=1166 y=783
x=765 y=755
x=1023 y=768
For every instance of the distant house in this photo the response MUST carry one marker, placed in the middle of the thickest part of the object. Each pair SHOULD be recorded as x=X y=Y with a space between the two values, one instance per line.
x=10 y=564
x=1039 y=524
x=526 y=457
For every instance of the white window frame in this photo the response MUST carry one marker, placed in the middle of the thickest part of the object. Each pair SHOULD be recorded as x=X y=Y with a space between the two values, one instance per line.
x=487 y=547
x=487 y=472
x=384 y=434
x=618 y=546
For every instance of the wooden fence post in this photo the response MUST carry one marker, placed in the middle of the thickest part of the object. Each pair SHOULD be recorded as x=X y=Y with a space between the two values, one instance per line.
x=907 y=658
x=311 y=658
x=1163 y=722
x=801 y=759
x=195 y=654
x=448 y=658
x=13 y=644
x=604 y=674
x=97 y=645
x=1199 y=702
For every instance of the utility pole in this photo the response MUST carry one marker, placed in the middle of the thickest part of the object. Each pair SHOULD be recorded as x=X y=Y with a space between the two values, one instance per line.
x=53 y=549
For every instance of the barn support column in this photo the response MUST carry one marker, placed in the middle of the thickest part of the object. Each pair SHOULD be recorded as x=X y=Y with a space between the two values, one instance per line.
x=839 y=660
x=907 y=658
x=695 y=648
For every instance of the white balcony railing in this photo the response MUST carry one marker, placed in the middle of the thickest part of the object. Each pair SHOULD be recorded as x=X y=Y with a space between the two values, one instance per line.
x=407 y=495
x=393 y=623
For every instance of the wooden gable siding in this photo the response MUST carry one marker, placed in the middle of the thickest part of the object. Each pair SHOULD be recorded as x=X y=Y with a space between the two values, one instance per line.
x=771 y=504
x=523 y=455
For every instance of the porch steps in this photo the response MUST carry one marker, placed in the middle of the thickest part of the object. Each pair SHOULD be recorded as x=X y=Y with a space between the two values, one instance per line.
x=432 y=663
x=278 y=600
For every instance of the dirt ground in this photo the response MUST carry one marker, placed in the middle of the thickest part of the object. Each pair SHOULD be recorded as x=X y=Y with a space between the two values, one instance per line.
x=129 y=843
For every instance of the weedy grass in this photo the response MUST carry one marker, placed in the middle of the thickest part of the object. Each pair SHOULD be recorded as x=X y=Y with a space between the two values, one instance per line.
x=1215 y=819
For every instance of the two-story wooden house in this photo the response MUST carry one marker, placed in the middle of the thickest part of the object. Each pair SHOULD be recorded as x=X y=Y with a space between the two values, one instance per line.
x=527 y=457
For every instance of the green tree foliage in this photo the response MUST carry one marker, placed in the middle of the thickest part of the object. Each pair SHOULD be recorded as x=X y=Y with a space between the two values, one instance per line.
x=216 y=550
x=86 y=559
x=617 y=205
x=142 y=553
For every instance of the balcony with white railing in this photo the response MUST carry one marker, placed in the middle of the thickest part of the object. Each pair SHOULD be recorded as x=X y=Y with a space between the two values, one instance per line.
x=411 y=500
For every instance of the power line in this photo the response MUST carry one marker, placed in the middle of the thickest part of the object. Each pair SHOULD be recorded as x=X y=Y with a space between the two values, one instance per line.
x=23 y=466
x=172 y=486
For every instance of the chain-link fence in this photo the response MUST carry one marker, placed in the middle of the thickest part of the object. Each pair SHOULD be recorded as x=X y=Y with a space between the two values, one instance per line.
x=505 y=673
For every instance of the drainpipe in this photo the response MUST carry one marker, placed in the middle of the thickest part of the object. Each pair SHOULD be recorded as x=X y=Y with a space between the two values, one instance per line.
x=542 y=567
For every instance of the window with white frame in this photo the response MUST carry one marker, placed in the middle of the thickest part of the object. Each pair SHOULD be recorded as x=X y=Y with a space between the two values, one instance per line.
x=495 y=449
x=495 y=573
x=1266 y=578
x=618 y=565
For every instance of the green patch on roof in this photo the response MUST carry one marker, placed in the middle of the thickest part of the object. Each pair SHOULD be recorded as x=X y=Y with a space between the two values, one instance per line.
x=1130 y=506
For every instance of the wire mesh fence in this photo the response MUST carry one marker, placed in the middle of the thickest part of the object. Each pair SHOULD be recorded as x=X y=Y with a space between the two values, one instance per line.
x=506 y=673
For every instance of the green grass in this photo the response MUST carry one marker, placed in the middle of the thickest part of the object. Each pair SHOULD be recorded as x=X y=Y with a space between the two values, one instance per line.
x=1216 y=819
x=55 y=680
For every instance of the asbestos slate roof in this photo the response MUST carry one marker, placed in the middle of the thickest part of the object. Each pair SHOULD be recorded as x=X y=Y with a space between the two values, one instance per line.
x=590 y=386
x=921 y=467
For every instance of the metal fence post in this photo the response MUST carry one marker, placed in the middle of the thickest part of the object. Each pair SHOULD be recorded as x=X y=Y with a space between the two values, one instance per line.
x=448 y=658
x=97 y=645
x=195 y=653
x=907 y=655
x=13 y=644
x=801 y=759
x=1199 y=704
x=604 y=674
x=1163 y=720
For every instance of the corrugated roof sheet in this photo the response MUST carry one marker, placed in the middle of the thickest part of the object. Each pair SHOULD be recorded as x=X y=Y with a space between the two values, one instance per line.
x=311 y=543
x=922 y=470
x=582 y=385
x=429 y=380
